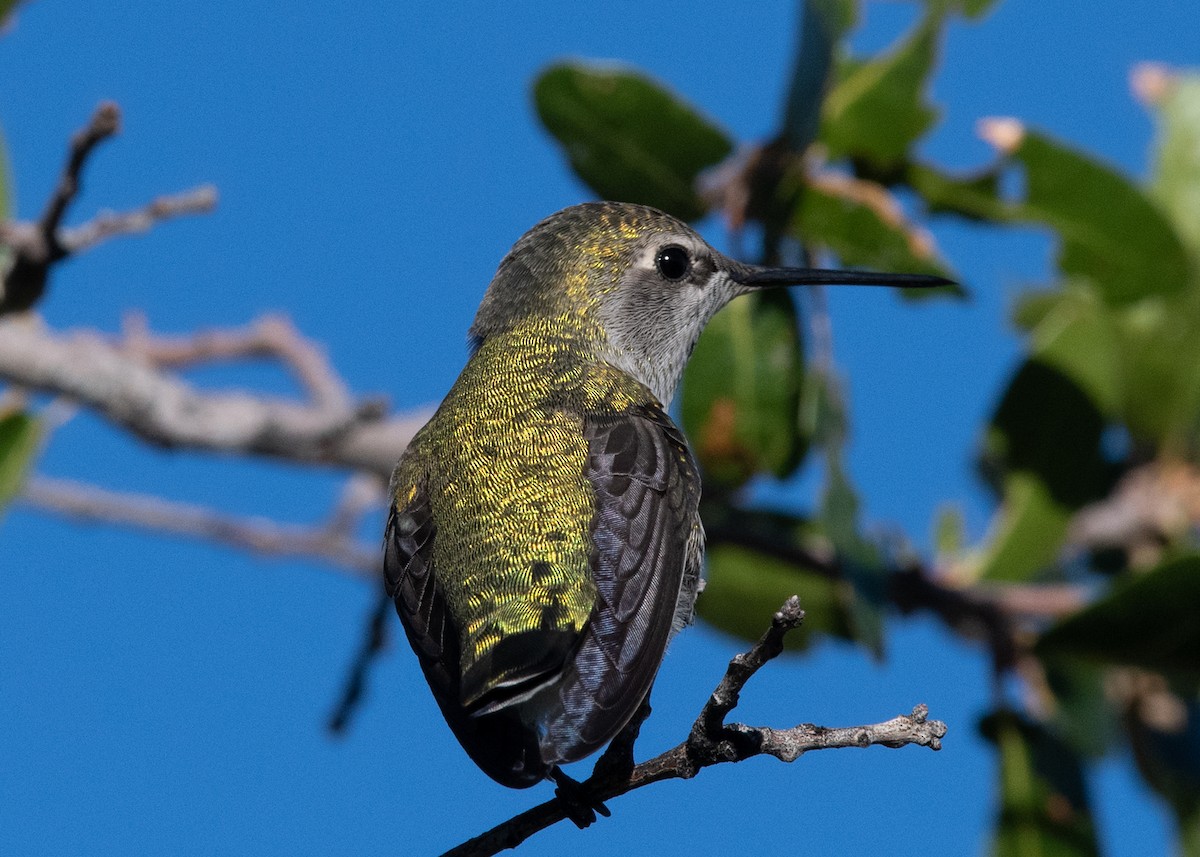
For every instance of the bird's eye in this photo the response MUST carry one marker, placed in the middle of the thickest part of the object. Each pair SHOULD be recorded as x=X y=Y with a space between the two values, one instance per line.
x=673 y=262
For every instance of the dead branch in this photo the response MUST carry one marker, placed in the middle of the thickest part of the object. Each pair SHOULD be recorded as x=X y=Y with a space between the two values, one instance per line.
x=374 y=639
x=112 y=224
x=272 y=336
x=166 y=411
x=712 y=741
x=333 y=542
x=36 y=247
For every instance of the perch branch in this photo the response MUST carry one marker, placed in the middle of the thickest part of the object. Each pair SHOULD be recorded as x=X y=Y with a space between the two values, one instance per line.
x=712 y=741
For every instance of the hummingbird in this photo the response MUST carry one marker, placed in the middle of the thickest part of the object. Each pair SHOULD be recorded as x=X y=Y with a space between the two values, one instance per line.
x=543 y=542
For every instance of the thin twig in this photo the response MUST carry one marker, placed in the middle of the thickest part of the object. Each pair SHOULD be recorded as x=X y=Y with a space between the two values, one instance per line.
x=34 y=248
x=912 y=589
x=373 y=641
x=879 y=200
x=93 y=504
x=105 y=122
x=712 y=741
x=272 y=336
x=111 y=224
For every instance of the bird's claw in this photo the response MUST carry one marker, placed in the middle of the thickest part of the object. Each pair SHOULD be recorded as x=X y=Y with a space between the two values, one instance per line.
x=581 y=808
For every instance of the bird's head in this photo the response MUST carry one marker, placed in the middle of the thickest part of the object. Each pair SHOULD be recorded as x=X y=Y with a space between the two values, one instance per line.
x=634 y=285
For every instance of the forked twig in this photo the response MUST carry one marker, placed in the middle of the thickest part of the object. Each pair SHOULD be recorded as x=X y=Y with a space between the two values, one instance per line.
x=712 y=741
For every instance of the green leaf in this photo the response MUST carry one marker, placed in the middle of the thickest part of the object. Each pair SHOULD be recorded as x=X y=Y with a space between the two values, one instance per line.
x=1078 y=337
x=629 y=138
x=1110 y=231
x=1026 y=534
x=1150 y=620
x=949 y=531
x=1043 y=450
x=861 y=561
x=1189 y=832
x=1082 y=714
x=1136 y=362
x=867 y=230
x=20 y=438
x=741 y=390
x=6 y=201
x=743 y=589
x=975 y=196
x=1044 y=808
x=6 y=9
x=877 y=109
x=1176 y=181
x=974 y=9
x=1162 y=371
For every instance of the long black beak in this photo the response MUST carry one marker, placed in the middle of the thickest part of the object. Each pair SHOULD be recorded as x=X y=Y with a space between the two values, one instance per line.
x=759 y=277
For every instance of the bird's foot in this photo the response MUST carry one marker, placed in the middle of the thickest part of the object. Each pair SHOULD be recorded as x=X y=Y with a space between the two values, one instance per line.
x=580 y=807
x=616 y=762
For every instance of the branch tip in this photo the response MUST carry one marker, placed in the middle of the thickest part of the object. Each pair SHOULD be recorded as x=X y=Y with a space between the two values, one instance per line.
x=789 y=616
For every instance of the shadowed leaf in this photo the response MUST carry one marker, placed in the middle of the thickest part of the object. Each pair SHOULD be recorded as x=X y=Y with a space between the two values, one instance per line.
x=1169 y=760
x=822 y=23
x=1083 y=716
x=1044 y=808
x=1043 y=453
x=741 y=390
x=975 y=8
x=975 y=196
x=627 y=137
x=1149 y=621
x=861 y=562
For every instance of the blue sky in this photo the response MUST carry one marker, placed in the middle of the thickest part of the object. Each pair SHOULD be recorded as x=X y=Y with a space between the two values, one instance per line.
x=375 y=161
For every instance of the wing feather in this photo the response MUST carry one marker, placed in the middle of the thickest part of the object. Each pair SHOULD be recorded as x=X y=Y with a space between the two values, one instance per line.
x=499 y=743
x=647 y=492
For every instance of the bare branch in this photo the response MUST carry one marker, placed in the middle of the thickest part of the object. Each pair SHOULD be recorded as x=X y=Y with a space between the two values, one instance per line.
x=166 y=411
x=373 y=641
x=36 y=247
x=712 y=741
x=1034 y=601
x=271 y=336
x=258 y=535
x=105 y=122
x=109 y=224
x=879 y=200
